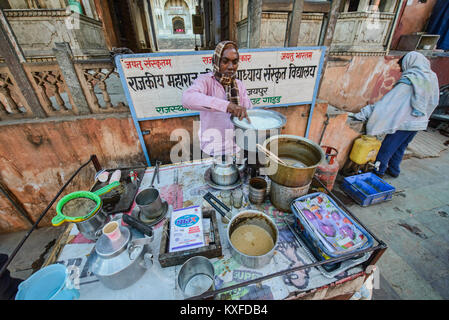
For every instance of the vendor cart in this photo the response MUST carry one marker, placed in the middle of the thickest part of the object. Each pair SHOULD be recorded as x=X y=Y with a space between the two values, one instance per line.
x=293 y=273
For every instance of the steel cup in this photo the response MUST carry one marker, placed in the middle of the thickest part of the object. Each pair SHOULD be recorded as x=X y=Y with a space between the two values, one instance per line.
x=150 y=203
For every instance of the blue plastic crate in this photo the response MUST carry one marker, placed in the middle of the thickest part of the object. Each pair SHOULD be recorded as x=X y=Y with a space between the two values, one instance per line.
x=367 y=189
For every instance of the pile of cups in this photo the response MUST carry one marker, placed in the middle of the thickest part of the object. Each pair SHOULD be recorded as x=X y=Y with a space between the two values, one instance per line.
x=257 y=190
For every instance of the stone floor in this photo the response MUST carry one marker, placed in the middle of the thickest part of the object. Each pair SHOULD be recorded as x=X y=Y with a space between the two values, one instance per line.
x=414 y=225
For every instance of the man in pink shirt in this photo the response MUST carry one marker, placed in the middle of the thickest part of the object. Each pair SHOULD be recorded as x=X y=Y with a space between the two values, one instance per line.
x=218 y=95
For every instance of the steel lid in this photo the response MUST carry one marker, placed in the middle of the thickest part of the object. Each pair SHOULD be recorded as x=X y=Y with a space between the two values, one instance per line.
x=108 y=249
x=261 y=120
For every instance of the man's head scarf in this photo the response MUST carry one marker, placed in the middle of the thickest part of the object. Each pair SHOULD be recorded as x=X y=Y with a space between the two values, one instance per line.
x=229 y=83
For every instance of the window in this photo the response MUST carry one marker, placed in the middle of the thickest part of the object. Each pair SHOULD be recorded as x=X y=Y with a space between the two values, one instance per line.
x=353 y=5
x=178 y=25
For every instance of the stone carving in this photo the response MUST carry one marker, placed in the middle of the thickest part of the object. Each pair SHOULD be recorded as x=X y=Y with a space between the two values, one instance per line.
x=98 y=77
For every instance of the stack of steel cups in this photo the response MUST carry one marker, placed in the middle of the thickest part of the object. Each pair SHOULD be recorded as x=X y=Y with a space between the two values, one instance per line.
x=257 y=190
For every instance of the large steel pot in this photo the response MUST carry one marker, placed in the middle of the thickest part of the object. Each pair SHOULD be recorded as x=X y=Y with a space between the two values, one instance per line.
x=260 y=219
x=300 y=149
x=264 y=123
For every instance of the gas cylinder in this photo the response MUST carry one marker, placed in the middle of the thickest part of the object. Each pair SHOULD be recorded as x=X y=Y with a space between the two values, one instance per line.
x=327 y=171
x=365 y=149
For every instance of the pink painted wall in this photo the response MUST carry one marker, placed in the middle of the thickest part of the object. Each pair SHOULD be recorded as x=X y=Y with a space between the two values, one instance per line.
x=413 y=19
x=350 y=83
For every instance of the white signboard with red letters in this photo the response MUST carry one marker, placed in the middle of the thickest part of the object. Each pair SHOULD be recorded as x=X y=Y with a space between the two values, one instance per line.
x=273 y=77
x=155 y=83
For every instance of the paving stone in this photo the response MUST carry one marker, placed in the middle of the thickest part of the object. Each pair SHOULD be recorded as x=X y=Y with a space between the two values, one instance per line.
x=404 y=280
x=385 y=291
x=407 y=239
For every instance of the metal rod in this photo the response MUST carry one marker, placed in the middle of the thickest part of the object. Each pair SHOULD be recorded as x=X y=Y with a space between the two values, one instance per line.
x=294 y=23
x=19 y=208
x=248 y=22
x=19 y=246
x=280 y=273
x=326 y=122
x=153 y=31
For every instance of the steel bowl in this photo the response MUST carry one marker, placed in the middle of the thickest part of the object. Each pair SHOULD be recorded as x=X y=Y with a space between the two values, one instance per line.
x=196 y=276
x=251 y=134
x=281 y=197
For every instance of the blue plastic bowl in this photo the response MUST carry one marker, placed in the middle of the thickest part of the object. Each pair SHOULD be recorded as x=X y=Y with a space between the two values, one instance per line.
x=49 y=283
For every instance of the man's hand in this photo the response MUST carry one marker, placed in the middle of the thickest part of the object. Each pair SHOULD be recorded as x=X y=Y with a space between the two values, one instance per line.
x=238 y=111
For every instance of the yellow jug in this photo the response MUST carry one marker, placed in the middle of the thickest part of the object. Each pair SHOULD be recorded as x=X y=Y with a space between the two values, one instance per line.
x=365 y=149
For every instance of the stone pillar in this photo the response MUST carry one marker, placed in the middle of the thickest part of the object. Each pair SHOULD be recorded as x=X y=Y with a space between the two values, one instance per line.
x=64 y=56
x=254 y=22
x=293 y=23
x=10 y=51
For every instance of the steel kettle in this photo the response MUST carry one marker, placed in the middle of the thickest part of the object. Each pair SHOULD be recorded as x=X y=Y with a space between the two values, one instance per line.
x=120 y=262
x=225 y=172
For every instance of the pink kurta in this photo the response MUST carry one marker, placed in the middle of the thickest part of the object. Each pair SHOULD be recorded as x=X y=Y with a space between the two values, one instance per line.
x=208 y=96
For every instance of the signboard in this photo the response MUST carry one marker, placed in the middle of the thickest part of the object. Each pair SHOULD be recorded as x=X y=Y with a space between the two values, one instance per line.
x=198 y=25
x=154 y=82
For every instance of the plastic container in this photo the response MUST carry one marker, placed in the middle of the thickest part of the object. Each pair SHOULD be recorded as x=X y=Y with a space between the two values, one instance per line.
x=367 y=189
x=49 y=283
x=325 y=209
x=365 y=149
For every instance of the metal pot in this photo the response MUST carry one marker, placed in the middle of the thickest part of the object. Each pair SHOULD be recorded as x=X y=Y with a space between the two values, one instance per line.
x=91 y=228
x=225 y=173
x=254 y=217
x=255 y=133
x=121 y=262
x=281 y=196
x=258 y=218
x=306 y=153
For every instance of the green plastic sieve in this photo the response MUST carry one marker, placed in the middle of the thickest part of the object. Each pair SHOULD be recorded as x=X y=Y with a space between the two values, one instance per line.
x=60 y=218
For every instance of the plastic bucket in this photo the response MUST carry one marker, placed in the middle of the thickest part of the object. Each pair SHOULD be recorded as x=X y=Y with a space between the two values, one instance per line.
x=49 y=283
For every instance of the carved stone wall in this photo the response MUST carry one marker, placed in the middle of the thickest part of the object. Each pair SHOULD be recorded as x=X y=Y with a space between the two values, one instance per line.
x=274 y=25
x=38 y=30
x=362 y=32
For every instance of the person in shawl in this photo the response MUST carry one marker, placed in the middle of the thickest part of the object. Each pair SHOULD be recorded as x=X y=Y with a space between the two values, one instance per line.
x=402 y=112
x=218 y=95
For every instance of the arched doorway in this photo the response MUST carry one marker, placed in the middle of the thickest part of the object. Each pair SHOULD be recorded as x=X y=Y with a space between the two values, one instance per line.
x=178 y=25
